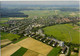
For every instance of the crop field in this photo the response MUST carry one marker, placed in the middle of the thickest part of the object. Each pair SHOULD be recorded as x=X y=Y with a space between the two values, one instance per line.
x=9 y=50
x=9 y=36
x=54 y=51
x=38 y=13
x=64 y=32
x=45 y=13
x=74 y=54
x=5 y=41
x=19 y=52
x=35 y=45
x=30 y=53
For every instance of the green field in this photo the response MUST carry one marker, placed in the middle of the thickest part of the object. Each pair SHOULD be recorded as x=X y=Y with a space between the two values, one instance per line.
x=19 y=40
x=76 y=54
x=54 y=52
x=46 y=13
x=19 y=52
x=9 y=36
x=38 y=13
x=64 y=32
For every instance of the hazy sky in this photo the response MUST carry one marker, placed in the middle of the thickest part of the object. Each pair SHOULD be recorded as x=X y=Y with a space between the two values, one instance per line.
x=41 y=2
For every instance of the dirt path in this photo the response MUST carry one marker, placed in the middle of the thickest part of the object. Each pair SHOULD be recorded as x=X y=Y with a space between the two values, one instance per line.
x=35 y=45
x=9 y=50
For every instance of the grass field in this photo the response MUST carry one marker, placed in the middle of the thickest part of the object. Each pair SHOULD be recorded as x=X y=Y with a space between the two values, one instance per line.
x=46 y=13
x=54 y=51
x=19 y=40
x=64 y=32
x=19 y=52
x=38 y=13
x=9 y=36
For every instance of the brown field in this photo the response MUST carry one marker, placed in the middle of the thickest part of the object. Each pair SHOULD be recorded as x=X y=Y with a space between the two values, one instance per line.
x=5 y=41
x=62 y=55
x=41 y=55
x=15 y=18
x=10 y=49
x=72 y=53
x=79 y=52
x=30 y=53
x=35 y=45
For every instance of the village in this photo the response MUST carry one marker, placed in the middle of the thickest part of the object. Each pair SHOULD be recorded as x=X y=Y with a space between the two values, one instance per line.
x=23 y=28
x=41 y=28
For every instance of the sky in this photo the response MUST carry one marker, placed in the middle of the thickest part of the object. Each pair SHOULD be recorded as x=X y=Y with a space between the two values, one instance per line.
x=40 y=2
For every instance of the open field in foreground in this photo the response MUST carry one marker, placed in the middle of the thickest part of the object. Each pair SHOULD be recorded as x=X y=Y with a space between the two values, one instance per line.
x=9 y=50
x=19 y=52
x=54 y=51
x=64 y=32
x=30 y=53
x=35 y=45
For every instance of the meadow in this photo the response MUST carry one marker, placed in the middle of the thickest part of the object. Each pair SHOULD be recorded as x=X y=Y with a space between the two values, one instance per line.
x=54 y=51
x=9 y=36
x=46 y=13
x=64 y=32
x=19 y=52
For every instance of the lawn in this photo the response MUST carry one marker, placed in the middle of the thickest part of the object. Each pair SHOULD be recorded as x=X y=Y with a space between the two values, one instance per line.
x=54 y=52
x=19 y=52
x=9 y=36
x=64 y=32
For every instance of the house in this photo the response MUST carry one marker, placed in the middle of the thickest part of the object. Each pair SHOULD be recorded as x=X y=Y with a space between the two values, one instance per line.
x=31 y=35
x=37 y=37
x=45 y=40
x=61 y=43
x=49 y=38
x=40 y=32
x=55 y=44
x=64 y=49
x=42 y=38
x=50 y=42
